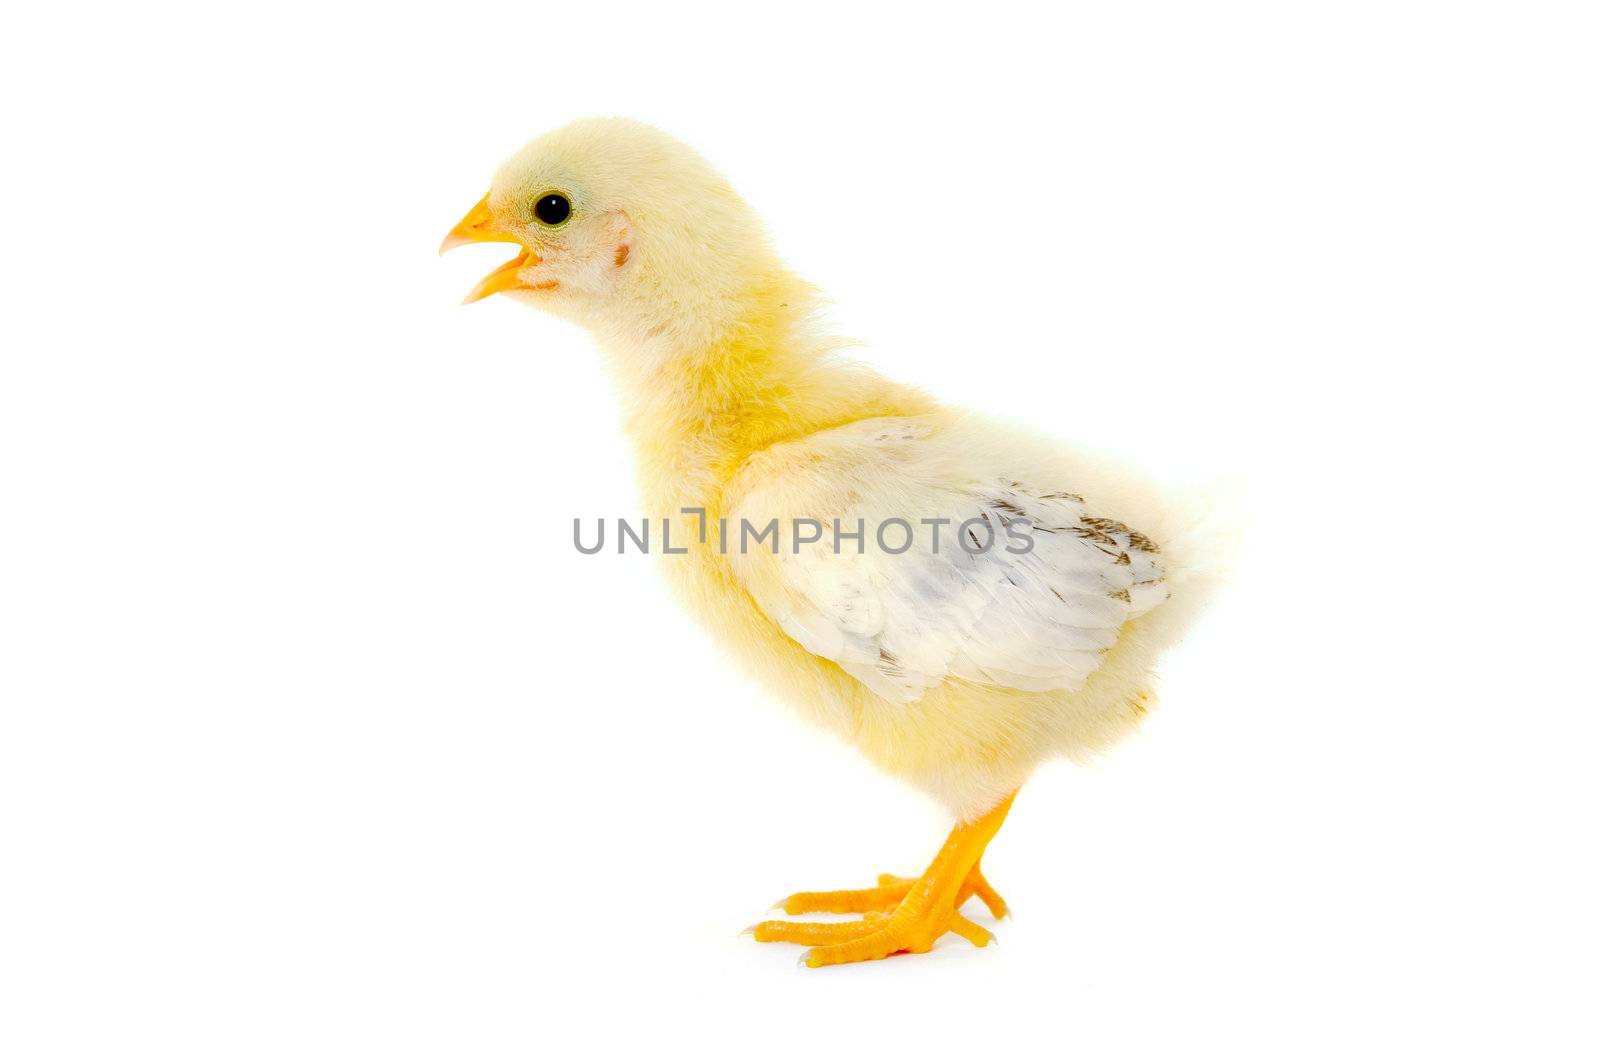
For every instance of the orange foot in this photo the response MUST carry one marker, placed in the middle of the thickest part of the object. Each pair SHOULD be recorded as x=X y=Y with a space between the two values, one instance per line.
x=900 y=915
x=888 y=894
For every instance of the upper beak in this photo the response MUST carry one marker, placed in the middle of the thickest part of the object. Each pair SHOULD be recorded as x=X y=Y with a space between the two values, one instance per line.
x=479 y=227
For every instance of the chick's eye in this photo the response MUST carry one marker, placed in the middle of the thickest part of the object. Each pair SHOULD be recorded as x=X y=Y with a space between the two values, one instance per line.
x=552 y=209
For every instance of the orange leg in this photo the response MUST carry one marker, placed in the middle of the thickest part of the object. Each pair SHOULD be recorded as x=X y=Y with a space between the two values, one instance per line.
x=904 y=915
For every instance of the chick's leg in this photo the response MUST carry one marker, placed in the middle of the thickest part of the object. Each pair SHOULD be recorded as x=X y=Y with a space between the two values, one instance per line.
x=919 y=911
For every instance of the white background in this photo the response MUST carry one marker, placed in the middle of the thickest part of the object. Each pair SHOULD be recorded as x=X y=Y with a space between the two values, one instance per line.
x=321 y=742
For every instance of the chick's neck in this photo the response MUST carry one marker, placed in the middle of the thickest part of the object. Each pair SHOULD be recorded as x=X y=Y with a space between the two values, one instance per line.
x=707 y=387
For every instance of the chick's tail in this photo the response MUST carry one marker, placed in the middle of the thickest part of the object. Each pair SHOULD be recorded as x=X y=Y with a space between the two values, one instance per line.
x=1202 y=538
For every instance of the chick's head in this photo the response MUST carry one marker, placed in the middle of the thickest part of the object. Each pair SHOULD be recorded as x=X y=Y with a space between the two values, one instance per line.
x=617 y=222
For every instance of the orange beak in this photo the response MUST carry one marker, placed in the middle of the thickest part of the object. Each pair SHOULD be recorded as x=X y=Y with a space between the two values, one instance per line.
x=479 y=227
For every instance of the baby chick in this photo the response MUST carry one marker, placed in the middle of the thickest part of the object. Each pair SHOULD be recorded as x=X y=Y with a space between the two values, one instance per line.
x=956 y=598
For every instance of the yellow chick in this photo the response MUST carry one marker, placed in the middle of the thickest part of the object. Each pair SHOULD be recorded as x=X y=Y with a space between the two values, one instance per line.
x=956 y=598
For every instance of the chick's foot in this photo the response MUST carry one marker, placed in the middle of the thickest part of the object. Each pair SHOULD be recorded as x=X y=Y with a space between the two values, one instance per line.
x=902 y=915
x=871 y=938
x=889 y=892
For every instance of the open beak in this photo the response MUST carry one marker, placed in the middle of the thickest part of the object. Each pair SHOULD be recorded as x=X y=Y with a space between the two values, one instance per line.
x=479 y=227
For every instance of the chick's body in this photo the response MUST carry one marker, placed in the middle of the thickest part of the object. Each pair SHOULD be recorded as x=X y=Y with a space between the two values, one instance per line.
x=966 y=741
x=956 y=668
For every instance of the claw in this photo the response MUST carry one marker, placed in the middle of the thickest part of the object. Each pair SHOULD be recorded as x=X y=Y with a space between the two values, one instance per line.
x=971 y=931
x=802 y=933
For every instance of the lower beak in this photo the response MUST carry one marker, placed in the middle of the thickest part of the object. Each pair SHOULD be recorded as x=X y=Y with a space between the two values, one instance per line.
x=479 y=227
x=503 y=279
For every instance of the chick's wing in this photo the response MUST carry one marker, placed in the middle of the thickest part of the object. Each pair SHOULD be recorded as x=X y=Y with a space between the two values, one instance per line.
x=931 y=563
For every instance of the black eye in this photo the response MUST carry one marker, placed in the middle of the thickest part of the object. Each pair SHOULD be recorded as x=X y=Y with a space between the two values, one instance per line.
x=552 y=209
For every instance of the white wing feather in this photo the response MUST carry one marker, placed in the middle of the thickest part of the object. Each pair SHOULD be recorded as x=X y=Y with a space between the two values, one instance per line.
x=902 y=623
